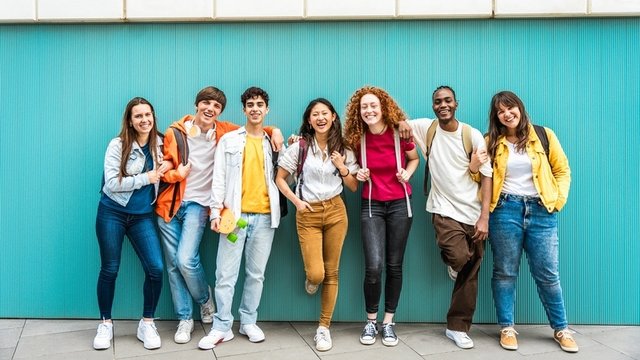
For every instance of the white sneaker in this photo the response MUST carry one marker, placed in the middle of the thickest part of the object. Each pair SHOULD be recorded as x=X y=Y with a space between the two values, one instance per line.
x=323 y=339
x=453 y=275
x=214 y=338
x=253 y=332
x=207 y=310
x=148 y=334
x=103 y=337
x=461 y=338
x=183 y=334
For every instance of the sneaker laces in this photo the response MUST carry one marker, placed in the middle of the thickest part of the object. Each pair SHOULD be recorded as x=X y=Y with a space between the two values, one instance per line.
x=369 y=329
x=103 y=329
x=566 y=333
x=509 y=332
x=321 y=335
x=183 y=326
x=387 y=330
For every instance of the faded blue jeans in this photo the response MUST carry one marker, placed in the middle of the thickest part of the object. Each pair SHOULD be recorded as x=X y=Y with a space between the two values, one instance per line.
x=255 y=241
x=181 y=241
x=522 y=223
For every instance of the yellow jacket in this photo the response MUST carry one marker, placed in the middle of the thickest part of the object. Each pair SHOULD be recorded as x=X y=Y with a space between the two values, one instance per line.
x=551 y=182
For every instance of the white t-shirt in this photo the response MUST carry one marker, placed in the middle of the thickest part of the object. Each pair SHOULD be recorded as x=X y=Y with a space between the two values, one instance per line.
x=201 y=152
x=453 y=193
x=518 y=179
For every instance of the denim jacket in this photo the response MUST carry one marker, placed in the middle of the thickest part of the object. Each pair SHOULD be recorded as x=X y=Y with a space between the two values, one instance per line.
x=120 y=191
x=227 y=176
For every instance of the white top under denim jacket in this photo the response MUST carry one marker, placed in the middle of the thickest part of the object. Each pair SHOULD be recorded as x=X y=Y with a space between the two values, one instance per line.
x=321 y=179
x=226 y=187
x=120 y=191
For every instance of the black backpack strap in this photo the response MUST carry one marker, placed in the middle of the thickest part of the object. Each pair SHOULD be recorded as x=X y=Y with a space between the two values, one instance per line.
x=284 y=209
x=544 y=139
x=303 y=149
x=183 y=152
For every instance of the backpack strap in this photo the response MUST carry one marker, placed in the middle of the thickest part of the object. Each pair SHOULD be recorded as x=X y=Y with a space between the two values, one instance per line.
x=303 y=149
x=363 y=158
x=183 y=152
x=544 y=139
x=284 y=208
x=396 y=141
x=467 y=145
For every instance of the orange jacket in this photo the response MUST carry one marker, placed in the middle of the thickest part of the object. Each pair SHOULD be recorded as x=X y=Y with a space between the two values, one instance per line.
x=166 y=206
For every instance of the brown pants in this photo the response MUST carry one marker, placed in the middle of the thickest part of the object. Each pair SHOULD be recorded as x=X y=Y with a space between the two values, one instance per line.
x=458 y=250
x=322 y=234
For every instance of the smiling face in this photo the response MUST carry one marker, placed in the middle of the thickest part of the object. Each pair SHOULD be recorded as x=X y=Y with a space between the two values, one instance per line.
x=321 y=118
x=370 y=110
x=207 y=112
x=255 y=109
x=445 y=105
x=142 y=119
x=509 y=116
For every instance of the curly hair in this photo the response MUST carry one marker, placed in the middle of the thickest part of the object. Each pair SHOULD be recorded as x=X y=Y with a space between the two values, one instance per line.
x=254 y=92
x=354 y=125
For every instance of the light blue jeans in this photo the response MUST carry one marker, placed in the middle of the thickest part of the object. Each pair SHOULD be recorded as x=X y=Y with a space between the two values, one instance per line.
x=522 y=223
x=181 y=242
x=255 y=240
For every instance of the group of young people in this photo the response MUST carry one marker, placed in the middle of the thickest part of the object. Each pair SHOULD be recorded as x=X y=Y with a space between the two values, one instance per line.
x=507 y=186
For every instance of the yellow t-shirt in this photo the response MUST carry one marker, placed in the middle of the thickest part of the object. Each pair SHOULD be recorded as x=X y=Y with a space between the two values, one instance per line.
x=255 y=196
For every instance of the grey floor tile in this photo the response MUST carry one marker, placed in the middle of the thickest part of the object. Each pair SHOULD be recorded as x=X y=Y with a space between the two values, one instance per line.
x=625 y=340
x=432 y=340
x=596 y=352
x=344 y=336
x=34 y=327
x=401 y=351
x=127 y=345
x=9 y=337
x=57 y=343
x=279 y=335
x=11 y=323
x=6 y=353
x=78 y=355
x=192 y=354
x=292 y=353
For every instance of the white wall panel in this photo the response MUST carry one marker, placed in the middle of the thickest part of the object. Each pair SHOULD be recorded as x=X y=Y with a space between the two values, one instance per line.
x=615 y=7
x=540 y=8
x=17 y=10
x=439 y=8
x=259 y=9
x=83 y=10
x=169 y=9
x=350 y=8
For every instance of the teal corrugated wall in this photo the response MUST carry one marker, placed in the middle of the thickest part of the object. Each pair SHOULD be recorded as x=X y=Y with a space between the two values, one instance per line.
x=63 y=89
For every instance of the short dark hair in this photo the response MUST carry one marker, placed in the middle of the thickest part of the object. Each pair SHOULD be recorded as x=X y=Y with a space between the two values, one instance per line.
x=253 y=92
x=444 y=87
x=211 y=93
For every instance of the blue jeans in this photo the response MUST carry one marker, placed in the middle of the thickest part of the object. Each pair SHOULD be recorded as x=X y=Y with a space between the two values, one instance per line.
x=384 y=240
x=181 y=241
x=111 y=227
x=522 y=223
x=255 y=240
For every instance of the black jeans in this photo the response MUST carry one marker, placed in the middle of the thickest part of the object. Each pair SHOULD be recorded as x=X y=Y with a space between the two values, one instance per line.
x=384 y=239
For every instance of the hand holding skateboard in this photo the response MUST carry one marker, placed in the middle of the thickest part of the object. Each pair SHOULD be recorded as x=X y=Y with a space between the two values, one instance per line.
x=229 y=225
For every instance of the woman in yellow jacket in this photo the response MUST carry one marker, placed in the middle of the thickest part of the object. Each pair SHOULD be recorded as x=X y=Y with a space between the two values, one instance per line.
x=529 y=188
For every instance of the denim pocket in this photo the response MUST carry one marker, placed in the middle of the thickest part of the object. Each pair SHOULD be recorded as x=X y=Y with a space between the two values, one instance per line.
x=233 y=155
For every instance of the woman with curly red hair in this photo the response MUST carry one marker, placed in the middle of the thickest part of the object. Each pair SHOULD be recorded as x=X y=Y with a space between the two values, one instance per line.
x=386 y=165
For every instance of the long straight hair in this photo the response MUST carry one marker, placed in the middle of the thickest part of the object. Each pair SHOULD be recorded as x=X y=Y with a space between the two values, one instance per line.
x=335 y=141
x=128 y=135
x=496 y=129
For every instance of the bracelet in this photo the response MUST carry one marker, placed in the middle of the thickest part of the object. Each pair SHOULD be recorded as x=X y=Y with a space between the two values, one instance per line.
x=339 y=172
